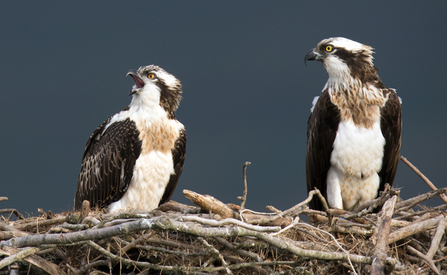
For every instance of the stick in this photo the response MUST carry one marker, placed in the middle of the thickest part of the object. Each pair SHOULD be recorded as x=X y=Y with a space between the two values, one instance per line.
x=232 y=221
x=244 y=176
x=32 y=225
x=209 y=203
x=18 y=256
x=38 y=261
x=437 y=238
x=217 y=253
x=414 y=228
x=408 y=204
x=423 y=177
x=13 y=211
x=381 y=249
x=423 y=257
x=137 y=263
x=272 y=218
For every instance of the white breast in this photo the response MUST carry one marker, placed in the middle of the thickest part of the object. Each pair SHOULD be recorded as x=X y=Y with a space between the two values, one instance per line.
x=154 y=166
x=355 y=161
x=150 y=178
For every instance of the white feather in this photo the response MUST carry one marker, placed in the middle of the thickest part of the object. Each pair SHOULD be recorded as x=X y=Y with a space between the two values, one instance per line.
x=355 y=161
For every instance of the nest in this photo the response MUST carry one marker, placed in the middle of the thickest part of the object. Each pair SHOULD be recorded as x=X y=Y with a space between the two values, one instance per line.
x=217 y=238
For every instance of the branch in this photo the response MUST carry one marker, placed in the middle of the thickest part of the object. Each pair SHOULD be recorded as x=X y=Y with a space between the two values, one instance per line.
x=410 y=203
x=216 y=253
x=12 y=211
x=232 y=221
x=244 y=176
x=414 y=228
x=381 y=249
x=423 y=257
x=137 y=263
x=38 y=261
x=423 y=177
x=209 y=203
x=437 y=238
x=90 y=234
x=18 y=256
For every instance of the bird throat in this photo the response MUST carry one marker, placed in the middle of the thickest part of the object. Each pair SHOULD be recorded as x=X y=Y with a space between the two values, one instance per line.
x=357 y=102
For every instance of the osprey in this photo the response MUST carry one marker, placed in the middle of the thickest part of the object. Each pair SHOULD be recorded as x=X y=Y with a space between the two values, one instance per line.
x=354 y=130
x=134 y=159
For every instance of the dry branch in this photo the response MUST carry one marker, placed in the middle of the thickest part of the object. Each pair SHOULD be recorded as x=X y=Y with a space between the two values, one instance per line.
x=423 y=177
x=423 y=257
x=244 y=178
x=442 y=226
x=209 y=203
x=414 y=228
x=34 y=259
x=381 y=249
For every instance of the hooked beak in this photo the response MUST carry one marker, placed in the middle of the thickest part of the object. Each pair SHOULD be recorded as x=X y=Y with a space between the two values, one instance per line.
x=311 y=55
x=138 y=83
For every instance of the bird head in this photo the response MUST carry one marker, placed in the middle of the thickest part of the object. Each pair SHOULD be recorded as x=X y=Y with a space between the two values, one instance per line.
x=153 y=83
x=342 y=57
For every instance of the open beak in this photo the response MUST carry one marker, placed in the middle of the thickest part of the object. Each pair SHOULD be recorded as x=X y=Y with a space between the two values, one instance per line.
x=138 y=83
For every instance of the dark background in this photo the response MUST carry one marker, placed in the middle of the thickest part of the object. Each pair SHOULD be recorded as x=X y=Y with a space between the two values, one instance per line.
x=247 y=92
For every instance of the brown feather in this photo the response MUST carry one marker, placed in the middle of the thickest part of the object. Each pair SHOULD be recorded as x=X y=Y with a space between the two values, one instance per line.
x=105 y=157
x=178 y=156
x=321 y=131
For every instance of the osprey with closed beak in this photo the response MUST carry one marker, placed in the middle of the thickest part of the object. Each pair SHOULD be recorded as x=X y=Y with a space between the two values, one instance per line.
x=135 y=158
x=354 y=130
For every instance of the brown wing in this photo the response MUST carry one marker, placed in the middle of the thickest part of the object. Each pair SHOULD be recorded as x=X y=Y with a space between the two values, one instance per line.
x=321 y=131
x=178 y=156
x=107 y=164
x=391 y=125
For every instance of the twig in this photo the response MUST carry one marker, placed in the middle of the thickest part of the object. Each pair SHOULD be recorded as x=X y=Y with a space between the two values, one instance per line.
x=232 y=221
x=137 y=263
x=410 y=203
x=252 y=264
x=423 y=177
x=437 y=238
x=380 y=250
x=295 y=222
x=38 y=261
x=430 y=210
x=271 y=218
x=39 y=222
x=15 y=231
x=323 y=201
x=166 y=223
x=336 y=242
x=241 y=252
x=244 y=177
x=217 y=253
x=174 y=252
x=18 y=256
x=423 y=257
x=414 y=228
x=90 y=234
x=13 y=211
x=3 y=199
x=86 y=267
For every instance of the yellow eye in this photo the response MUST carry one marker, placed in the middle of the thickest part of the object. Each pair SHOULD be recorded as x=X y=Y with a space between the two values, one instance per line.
x=329 y=48
x=151 y=76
